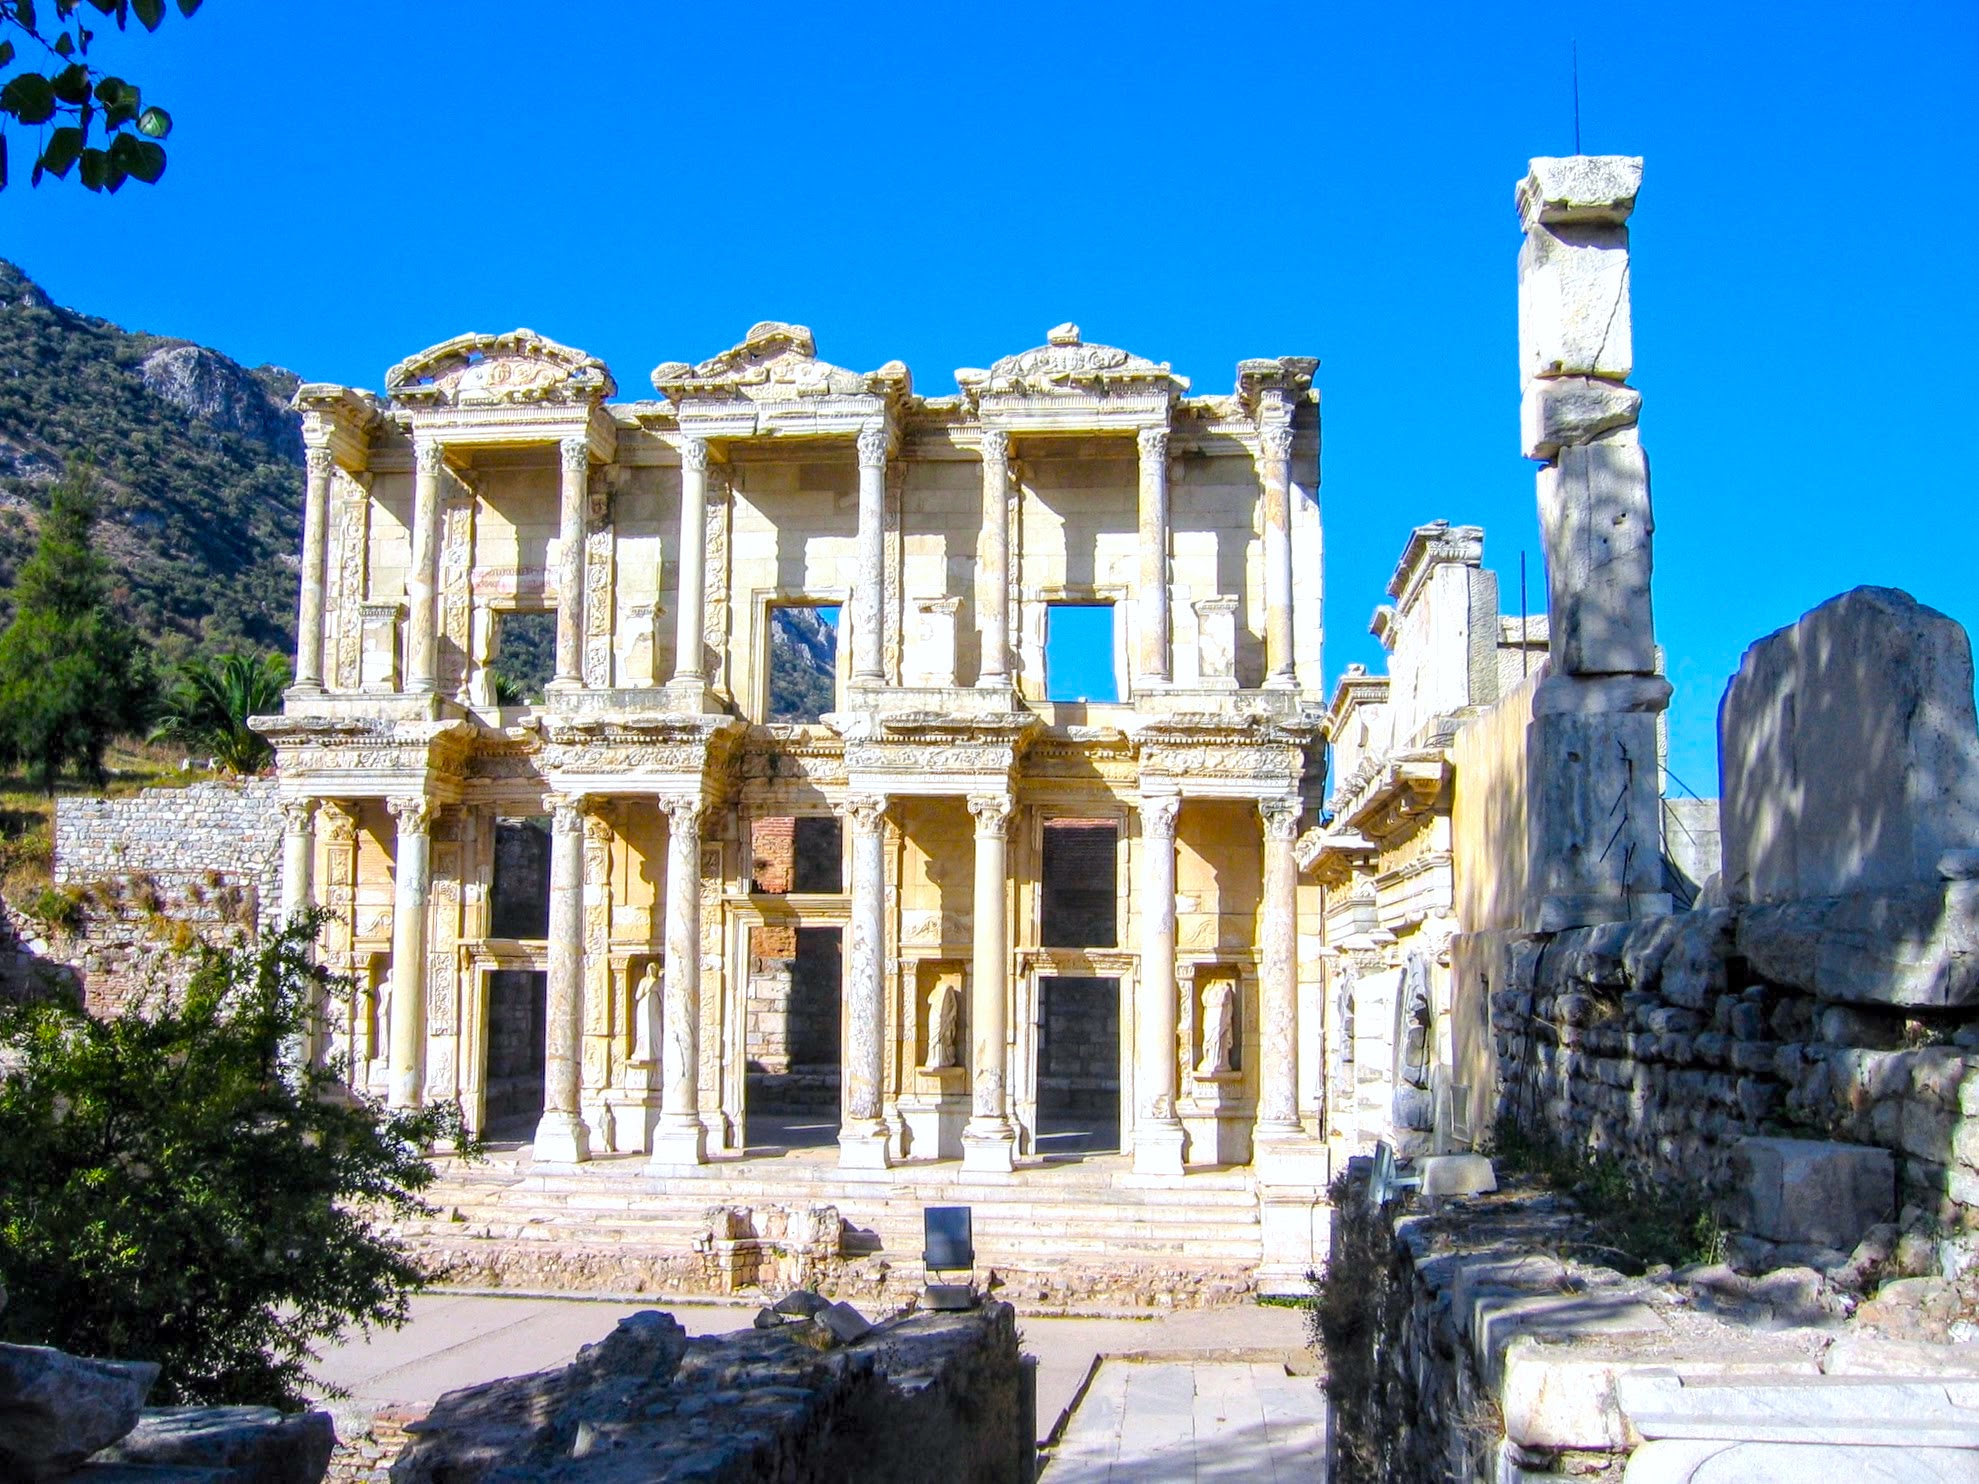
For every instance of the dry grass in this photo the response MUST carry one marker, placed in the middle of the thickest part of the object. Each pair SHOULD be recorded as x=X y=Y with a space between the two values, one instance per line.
x=27 y=814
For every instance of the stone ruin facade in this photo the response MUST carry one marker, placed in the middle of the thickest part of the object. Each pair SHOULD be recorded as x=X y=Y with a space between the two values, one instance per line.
x=588 y=909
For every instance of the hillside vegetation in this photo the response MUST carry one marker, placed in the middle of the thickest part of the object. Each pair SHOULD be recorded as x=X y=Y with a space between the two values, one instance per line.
x=199 y=465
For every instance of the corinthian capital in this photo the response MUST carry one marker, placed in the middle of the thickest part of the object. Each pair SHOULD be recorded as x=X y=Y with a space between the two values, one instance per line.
x=1275 y=440
x=1158 y=816
x=1153 y=444
x=319 y=462
x=415 y=816
x=996 y=446
x=685 y=815
x=992 y=813
x=298 y=815
x=1281 y=818
x=428 y=455
x=872 y=446
x=864 y=810
x=575 y=454
x=694 y=455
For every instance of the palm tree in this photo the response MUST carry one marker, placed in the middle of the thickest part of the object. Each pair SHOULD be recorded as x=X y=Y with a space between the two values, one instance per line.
x=214 y=696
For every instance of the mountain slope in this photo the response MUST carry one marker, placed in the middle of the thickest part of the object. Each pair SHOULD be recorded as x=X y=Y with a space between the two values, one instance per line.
x=199 y=463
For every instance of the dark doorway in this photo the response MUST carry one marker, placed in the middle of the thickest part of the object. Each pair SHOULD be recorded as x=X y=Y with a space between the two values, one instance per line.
x=517 y=1011
x=793 y=1051
x=1079 y=1066
x=519 y=904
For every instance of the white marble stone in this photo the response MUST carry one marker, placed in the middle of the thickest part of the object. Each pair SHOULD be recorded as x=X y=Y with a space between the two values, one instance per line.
x=1595 y=520
x=561 y=1135
x=412 y=880
x=1557 y=412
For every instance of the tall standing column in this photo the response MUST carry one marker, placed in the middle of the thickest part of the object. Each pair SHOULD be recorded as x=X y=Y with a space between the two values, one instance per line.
x=1278 y=974
x=868 y=653
x=1157 y=1130
x=1153 y=663
x=574 y=456
x=1274 y=465
x=989 y=1144
x=412 y=880
x=319 y=465
x=862 y=1134
x=689 y=665
x=561 y=1137
x=422 y=583
x=994 y=580
x=298 y=867
x=678 y=1138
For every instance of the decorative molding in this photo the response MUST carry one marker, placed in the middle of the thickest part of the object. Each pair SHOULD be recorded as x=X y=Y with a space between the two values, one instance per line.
x=694 y=455
x=1158 y=814
x=867 y=812
x=428 y=457
x=873 y=441
x=574 y=455
x=488 y=370
x=1281 y=819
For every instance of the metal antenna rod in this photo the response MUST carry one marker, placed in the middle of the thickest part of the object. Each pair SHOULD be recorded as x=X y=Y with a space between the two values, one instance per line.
x=1576 y=97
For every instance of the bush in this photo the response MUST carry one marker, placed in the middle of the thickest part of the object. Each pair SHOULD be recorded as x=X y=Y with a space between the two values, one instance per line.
x=173 y=1187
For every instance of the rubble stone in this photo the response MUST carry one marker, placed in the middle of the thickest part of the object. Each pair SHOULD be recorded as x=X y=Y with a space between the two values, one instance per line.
x=57 y=1409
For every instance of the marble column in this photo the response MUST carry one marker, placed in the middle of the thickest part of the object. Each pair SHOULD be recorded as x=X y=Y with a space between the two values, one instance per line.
x=412 y=880
x=994 y=581
x=561 y=1137
x=1274 y=464
x=318 y=466
x=1278 y=974
x=422 y=582
x=298 y=868
x=989 y=1144
x=1152 y=664
x=678 y=1138
x=862 y=1134
x=689 y=663
x=573 y=493
x=1157 y=1129
x=868 y=652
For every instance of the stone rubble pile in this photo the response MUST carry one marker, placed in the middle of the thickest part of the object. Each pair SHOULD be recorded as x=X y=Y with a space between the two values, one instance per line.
x=70 y=1417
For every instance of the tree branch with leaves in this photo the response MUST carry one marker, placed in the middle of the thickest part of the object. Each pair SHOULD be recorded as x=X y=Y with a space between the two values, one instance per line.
x=50 y=85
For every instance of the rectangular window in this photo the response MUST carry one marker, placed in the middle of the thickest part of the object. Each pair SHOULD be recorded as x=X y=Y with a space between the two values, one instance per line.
x=796 y=853
x=1081 y=904
x=1078 y=653
x=519 y=904
x=803 y=662
x=525 y=658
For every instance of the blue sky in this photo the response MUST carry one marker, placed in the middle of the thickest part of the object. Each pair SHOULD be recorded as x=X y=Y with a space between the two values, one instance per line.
x=352 y=182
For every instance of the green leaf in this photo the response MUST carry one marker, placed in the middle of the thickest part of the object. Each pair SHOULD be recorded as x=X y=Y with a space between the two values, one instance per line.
x=154 y=123
x=3 y=162
x=64 y=145
x=140 y=157
x=65 y=45
x=29 y=97
x=24 y=14
x=95 y=168
x=6 y=52
x=187 y=7
x=71 y=84
x=150 y=12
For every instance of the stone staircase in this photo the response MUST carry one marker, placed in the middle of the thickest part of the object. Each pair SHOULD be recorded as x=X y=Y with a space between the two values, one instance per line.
x=1078 y=1236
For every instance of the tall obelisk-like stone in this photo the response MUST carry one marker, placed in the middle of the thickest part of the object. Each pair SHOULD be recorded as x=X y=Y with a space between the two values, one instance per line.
x=1593 y=796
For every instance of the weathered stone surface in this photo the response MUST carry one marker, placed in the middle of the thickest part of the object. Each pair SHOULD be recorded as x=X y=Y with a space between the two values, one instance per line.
x=647 y=1404
x=1580 y=188
x=1808 y=1190
x=801 y=1304
x=1912 y=946
x=1692 y=1461
x=1556 y=1397
x=1594 y=513
x=1559 y=411
x=1869 y=1355
x=1849 y=751
x=57 y=1409
x=258 y=1443
x=1793 y=1409
x=1574 y=302
x=1578 y=768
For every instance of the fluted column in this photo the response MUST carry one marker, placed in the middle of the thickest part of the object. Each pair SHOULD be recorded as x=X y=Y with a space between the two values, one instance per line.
x=1152 y=663
x=1274 y=465
x=1157 y=1129
x=689 y=664
x=574 y=455
x=862 y=1134
x=422 y=583
x=1278 y=973
x=561 y=1137
x=989 y=1144
x=679 y=1138
x=318 y=466
x=994 y=582
x=868 y=652
x=412 y=881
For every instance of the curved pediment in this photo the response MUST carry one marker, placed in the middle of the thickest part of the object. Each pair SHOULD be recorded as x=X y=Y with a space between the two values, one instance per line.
x=1066 y=365
x=775 y=362
x=487 y=370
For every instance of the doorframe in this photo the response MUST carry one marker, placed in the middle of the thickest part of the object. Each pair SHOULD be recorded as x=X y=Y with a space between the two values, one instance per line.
x=483 y=957
x=1035 y=966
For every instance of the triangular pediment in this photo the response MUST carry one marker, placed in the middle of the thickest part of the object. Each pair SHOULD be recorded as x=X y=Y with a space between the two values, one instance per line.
x=486 y=370
x=775 y=362
x=1067 y=365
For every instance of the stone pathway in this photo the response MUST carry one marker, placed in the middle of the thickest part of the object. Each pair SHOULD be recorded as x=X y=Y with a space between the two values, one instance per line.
x=1173 y=1422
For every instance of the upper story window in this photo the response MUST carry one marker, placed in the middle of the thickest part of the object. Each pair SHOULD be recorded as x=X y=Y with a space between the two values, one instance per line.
x=803 y=662
x=525 y=656
x=1079 y=648
x=1081 y=885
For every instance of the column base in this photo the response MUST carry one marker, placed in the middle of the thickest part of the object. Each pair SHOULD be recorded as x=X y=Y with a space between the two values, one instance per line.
x=692 y=696
x=1281 y=682
x=864 y=1147
x=679 y=1139
x=989 y=1147
x=562 y=1139
x=1158 y=1149
x=1291 y=1158
x=405 y=1092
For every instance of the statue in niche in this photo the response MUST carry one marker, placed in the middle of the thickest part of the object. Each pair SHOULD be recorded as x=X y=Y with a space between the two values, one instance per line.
x=1219 y=1029
x=645 y=1015
x=1414 y=1108
x=944 y=1027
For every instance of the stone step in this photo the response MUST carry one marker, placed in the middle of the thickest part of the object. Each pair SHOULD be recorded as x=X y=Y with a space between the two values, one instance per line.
x=1042 y=1252
x=858 y=1211
x=707 y=1192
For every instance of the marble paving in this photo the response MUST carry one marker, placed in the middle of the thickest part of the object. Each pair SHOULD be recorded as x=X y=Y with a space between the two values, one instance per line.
x=1191 y=1423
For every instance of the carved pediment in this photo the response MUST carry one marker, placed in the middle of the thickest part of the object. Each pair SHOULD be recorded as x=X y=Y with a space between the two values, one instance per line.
x=1065 y=365
x=489 y=370
x=775 y=363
